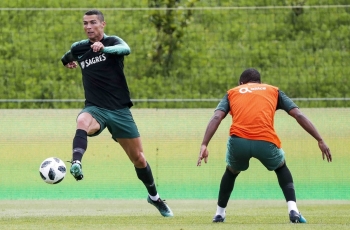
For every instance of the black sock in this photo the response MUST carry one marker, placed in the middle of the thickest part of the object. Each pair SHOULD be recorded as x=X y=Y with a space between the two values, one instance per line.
x=79 y=144
x=226 y=187
x=285 y=181
x=145 y=175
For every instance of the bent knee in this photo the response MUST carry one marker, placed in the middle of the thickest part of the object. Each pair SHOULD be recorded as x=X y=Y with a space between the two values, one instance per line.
x=87 y=122
x=84 y=120
x=232 y=170
x=138 y=160
x=281 y=165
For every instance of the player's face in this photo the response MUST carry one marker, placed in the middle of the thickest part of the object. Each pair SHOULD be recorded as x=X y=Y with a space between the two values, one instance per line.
x=93 y=27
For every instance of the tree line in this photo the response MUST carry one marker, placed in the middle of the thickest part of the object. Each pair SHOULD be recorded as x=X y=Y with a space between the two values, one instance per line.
x=180 y=52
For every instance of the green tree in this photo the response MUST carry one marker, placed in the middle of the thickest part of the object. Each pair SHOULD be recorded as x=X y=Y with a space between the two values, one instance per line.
x=170 y=25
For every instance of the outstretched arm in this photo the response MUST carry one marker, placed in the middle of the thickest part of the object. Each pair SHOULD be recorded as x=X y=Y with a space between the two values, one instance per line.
x=209 y=133
x=307 y=125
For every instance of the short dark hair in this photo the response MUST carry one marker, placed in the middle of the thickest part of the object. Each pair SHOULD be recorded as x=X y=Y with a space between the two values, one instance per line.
x=96 y=12
x=250 y=75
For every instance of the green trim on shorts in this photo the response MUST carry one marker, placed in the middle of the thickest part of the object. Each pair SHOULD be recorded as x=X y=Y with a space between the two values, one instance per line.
x=240 y=150
x=119 y=122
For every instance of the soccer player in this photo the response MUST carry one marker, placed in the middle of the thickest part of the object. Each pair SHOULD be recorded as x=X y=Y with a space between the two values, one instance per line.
x=107 y=101
x=252 y=106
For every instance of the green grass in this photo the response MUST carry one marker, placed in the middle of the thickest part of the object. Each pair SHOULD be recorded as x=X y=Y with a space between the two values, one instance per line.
x=111 y=196
x=189 y=214
x=171 y=139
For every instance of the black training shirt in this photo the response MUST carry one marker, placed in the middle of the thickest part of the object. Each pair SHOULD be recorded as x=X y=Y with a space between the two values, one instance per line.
x=104 y=81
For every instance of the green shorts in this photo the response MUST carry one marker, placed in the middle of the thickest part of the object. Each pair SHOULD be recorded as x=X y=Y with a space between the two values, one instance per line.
x=119 y=122
x=240 y=150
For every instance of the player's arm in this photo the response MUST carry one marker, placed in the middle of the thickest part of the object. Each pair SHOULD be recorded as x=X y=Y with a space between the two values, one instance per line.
x=68 y=60
x=285 y=103
x=310 y=128
x=120 y=47
x=213 y=125
x=220 y=113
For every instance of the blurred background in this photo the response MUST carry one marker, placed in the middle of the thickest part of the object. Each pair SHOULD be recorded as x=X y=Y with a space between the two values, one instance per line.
x=185 y=55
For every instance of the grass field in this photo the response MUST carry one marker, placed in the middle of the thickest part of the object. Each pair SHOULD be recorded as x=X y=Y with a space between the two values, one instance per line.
x=111 y=196
x=171 y=141
x=188 y=215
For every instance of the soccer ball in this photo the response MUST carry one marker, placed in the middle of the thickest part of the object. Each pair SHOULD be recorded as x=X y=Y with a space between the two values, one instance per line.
x=52 y=170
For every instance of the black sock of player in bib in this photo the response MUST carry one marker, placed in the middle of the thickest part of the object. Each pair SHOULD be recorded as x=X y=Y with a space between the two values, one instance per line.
x=285 y=181
x=145 y=175
x=79 y=144
x=226 y=187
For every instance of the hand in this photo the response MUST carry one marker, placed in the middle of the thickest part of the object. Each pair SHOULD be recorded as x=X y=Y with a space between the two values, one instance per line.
x=203 y=154
x=97 y=46
x=325 y=150
x=71 y=65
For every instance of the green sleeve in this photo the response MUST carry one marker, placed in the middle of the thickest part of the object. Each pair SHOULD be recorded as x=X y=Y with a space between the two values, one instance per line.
x=284 y=102
x=120 y=47
x=224 y=105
